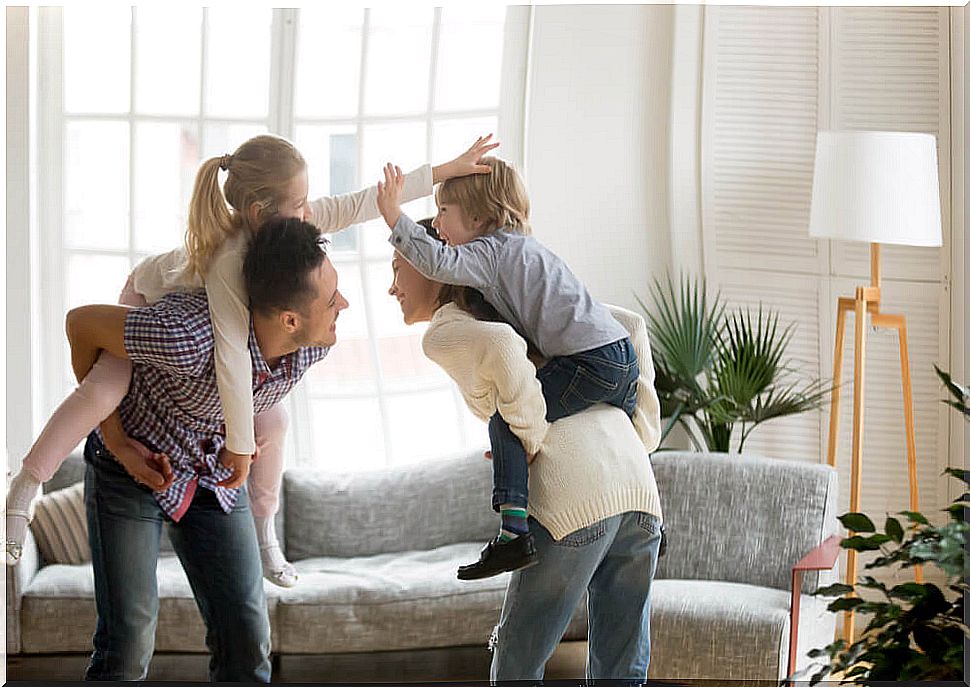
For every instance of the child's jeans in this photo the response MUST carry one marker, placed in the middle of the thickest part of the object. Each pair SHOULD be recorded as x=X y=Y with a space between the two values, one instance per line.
x=570 y=384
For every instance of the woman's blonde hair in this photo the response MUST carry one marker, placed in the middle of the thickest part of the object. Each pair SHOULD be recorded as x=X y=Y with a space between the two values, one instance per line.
x=497 y=199
x=260 y=172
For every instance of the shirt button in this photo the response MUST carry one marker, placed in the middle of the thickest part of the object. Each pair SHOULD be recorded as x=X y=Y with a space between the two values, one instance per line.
x=397 y=240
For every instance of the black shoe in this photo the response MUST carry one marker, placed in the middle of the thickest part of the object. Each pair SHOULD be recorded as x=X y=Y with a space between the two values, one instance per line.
x=502 y=556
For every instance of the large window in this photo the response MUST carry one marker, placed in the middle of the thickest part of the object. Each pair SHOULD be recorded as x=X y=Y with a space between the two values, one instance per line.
x=132 y=100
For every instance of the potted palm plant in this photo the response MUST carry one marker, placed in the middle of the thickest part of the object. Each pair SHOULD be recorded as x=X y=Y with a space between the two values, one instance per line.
x=718 y=371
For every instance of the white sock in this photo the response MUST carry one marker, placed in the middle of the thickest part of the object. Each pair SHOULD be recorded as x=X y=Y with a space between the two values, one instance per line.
x=276 y=568
x=23 y=488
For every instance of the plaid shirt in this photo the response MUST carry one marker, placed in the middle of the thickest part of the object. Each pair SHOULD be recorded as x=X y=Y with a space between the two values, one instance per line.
x=173 y=405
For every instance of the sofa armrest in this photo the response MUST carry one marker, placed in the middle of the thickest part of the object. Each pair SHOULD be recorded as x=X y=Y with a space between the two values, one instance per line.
x=822 y=557
x=18 y=577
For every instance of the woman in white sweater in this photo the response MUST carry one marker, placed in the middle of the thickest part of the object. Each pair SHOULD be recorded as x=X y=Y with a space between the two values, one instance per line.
x=594 y=505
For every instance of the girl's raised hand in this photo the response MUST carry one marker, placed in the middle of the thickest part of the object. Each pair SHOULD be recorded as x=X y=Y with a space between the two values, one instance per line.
x=389 y=194
x=467 y=162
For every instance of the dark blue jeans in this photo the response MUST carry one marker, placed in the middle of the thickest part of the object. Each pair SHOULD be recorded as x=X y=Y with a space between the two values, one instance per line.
x=218 y=552
x=570 y=384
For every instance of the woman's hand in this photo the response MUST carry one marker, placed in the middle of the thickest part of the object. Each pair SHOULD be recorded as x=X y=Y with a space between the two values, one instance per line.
x=389 y=194
x=151 y=469
x=466 y=163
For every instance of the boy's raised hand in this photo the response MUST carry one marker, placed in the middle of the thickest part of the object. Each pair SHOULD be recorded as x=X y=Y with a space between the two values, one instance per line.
x=389 y=194
x=467 y=162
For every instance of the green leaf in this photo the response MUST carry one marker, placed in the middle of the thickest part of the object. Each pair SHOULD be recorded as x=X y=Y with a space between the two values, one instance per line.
x=870 y=543
x=836 y=589
x=857 y=522
x=914 y=516
x=908 y=590
x=845 y=604
x=894 y=530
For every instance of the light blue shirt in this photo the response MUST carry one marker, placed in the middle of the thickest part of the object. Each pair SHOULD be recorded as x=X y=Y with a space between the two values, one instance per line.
x=529 y=286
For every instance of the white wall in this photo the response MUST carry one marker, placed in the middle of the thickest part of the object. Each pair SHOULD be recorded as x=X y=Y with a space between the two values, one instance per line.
x=597 y=142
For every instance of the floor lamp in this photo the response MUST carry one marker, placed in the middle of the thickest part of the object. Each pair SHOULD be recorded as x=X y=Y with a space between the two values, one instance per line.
x=877 y=187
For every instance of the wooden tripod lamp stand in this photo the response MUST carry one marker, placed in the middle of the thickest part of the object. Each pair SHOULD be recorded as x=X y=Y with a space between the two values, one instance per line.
x=877 y=187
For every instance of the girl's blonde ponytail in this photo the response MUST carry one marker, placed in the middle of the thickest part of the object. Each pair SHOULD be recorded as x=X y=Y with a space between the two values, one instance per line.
x=258 y=177
x=210 y=221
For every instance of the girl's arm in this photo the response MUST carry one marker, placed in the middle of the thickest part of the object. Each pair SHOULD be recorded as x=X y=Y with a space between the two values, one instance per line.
x=229 y=312
x=334 y=213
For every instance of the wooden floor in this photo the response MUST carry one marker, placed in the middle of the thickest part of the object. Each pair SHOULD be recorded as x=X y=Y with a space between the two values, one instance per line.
x=469 y=664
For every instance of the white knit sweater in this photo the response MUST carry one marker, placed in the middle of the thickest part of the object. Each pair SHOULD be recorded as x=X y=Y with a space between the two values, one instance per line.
x=589 y=466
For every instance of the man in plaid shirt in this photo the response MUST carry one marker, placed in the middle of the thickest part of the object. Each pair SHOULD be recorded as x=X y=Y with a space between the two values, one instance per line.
x=173 y=407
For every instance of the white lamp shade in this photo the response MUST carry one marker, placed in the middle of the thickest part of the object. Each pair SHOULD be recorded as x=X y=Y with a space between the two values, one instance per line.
x=877 y=187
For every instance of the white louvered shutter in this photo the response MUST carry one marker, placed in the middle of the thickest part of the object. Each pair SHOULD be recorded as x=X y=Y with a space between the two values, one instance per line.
x=773 y=77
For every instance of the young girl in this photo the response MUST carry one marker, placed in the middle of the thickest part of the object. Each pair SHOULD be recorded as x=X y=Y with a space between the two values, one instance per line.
x=484 y=224
x=265 y=177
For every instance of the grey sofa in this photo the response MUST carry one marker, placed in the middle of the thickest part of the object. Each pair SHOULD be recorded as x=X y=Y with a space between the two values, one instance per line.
x=377 y=554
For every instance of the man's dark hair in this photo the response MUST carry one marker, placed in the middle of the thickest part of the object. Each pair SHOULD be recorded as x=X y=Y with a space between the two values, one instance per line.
x=279 y=262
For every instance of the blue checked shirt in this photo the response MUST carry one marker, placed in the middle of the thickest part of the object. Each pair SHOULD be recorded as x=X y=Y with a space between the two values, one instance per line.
x=173 y=404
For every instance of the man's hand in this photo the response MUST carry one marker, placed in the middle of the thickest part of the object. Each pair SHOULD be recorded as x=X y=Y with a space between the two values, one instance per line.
x=154 y=470
x=389 y=194
x=239 y=464
x=466 y=163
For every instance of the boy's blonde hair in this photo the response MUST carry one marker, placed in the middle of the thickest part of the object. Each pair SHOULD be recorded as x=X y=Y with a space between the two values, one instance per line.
x=260 y=172
x=497 y=199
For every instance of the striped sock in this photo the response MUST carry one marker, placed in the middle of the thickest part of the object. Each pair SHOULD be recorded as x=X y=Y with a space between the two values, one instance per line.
x=514 y=522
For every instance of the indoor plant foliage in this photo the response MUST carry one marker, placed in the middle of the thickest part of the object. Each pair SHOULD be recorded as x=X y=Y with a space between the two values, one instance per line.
x=717 y=370
x=915 y=632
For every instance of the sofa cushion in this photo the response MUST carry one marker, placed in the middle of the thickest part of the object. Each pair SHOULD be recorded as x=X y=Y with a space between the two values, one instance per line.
x=393 y=601
x=58 y=613
x=742 y=518
x=61 y=527
x=407 y=508
x=729 y=631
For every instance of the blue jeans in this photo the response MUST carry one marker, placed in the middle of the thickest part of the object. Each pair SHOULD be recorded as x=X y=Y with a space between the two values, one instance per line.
x=614 y=560
x=218 y=552
x=570 y=384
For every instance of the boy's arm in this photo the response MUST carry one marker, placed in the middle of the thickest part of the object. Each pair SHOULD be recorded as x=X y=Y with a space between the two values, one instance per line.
x=472 y=264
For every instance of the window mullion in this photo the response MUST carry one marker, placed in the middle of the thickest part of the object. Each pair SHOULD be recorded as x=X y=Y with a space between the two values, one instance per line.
x=361 y=259
x=52 y=124
x=132 y=56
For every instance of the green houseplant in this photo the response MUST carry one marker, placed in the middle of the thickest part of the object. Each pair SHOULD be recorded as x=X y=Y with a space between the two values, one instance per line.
x=915 y=632
x=715 y=370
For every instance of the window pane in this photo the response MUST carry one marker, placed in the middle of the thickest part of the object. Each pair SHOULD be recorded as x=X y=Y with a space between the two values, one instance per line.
x=167 y=42
x=97 y=59
x=388 y=320
x=166 y=160
x=222 y=138
x=403 y=144
x=238 y=56
x=422 y=426
x=328 y=61
x=95 y=279
x=347 y=369
x=347 y=434
x=451 y=137
x=96 y=184
x=398 y=60
x=331 y=157
x=352 y=322
x=469 y=66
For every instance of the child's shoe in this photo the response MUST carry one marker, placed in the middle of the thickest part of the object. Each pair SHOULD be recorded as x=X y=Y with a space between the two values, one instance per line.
x=502 y=556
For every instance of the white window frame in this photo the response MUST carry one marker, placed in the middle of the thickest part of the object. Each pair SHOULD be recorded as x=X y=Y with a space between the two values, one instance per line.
x=49 y=344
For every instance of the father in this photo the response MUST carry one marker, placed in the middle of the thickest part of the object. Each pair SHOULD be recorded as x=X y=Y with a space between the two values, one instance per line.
x=173 y=407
